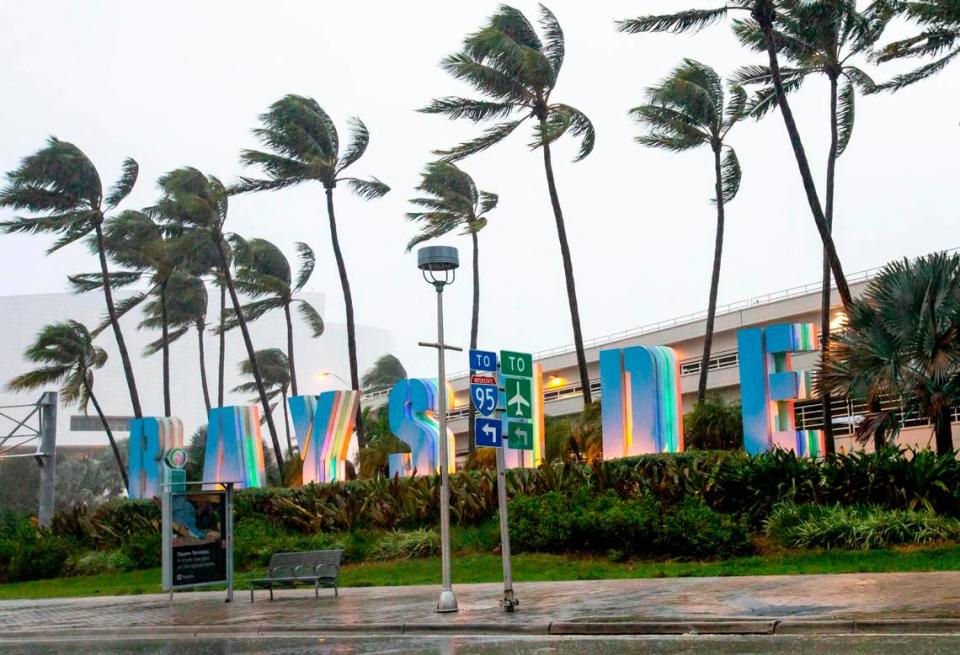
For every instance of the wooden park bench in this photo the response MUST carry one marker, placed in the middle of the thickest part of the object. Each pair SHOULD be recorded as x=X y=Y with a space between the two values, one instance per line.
x=316 y=567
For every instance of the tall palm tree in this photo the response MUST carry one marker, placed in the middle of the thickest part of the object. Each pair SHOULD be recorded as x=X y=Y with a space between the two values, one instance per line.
x=197 y=204
x=688 y=110
x=818 y=38
x=275 y=372
x=939 y=21
x=508 y=63
x=186 y=309
x=303 y=145
x=263 y=273
x=68 y=357
x=451 y=201
x=151 y=253
x=60 y=183
x=384 y=373
x=903 y=339
x=764 y=13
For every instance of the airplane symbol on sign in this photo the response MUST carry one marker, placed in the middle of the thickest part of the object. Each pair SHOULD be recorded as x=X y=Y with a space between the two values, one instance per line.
x=519 y=401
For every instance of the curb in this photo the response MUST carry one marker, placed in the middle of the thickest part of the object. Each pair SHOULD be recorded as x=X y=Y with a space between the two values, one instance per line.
x=756 y=627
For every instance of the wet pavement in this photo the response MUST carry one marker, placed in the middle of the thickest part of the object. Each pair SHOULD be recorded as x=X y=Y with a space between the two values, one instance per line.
x=704 y=645
x=853 y=596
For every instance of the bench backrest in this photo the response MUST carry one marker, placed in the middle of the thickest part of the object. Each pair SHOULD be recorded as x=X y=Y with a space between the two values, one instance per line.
x=320 y=563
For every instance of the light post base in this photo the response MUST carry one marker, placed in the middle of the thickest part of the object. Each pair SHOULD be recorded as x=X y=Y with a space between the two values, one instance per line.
x=447 y=602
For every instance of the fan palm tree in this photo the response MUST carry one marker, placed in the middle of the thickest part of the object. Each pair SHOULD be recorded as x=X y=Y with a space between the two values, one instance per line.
x=197 y=204
x=764 y=13
x=902 y=338
x=67 y=357
x=262 y=272
x=939 y=21
x=275 y=373
x=686 y=111
x=384 y=373
x=508 y=63
x=60 y=183
x=818 y=38
x=451 y=201
x=186 y=309
x=303 y=145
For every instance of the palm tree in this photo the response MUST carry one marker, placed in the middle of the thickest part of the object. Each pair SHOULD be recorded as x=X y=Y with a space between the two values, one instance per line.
x=152 y=253
x=902 y=338
x=764 y=14
x=818 y=38
x=68 y=357
x=686 y=111
x=451 y=201
x=384 y=373
x=508 y=63
x=263 y=273
x=197 y=204
x=186 y=308
x=304 y=146
x=275 y=372
x=60 y=183
x=939 y=38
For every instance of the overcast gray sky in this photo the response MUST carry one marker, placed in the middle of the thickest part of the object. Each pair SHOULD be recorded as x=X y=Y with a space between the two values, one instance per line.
x=181 y=83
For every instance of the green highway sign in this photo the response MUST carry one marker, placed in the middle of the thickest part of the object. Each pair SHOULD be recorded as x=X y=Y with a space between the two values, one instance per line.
x=519 y=397
x=520 y=435
x=516 y=364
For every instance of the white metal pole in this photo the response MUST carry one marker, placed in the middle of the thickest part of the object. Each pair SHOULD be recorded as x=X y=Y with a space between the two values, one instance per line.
x=448 y=601
x=509 y=602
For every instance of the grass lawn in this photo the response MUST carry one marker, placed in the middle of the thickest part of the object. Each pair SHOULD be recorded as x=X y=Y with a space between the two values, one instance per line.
x=537 y=567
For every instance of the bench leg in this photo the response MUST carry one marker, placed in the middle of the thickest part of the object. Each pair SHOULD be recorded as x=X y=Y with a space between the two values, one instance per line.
x=271 y=594
x=316 y=591
x=251 y=595
x=335 y=592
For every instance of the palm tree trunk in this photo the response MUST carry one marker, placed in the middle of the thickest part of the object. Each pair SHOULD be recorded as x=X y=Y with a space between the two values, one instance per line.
x=944 y=430
x=567 y=269
x=348 y=303
x=764 y=13
x=714 y=279
x=293 y=368
x=115 y=323
x=474 y=330
x=203 y=367
x=879 y=435
x=166 y=349
x=828 y=436
x=222 y=363
x=251 y=353
x=106 y=427
x=286 y=422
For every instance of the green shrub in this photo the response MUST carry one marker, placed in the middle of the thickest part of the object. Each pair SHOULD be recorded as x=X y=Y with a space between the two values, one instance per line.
x=407 y=545
x=714 y=424
x=143 y=549
x=43 y=558
x=95 y=562
x=858 y=527
x=696 y=530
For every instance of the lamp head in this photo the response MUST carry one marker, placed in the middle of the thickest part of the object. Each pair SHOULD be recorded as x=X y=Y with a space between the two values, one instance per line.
x=438 y=264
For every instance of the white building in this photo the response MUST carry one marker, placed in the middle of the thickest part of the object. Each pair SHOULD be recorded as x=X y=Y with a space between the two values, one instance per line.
x=319 y=361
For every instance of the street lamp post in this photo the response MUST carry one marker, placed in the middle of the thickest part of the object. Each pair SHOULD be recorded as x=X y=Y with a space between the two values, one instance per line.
x=438 y=265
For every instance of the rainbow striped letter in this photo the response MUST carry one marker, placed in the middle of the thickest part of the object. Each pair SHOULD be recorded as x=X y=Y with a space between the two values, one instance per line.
x=150 y=439
x=411 y=410
x=324 y=425
x=234 y=447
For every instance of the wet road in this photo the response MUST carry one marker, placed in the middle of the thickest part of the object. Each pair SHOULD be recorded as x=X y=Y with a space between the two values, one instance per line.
x=686 y=645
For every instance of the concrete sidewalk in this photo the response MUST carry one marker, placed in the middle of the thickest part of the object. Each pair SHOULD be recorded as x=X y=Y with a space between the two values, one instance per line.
x=814 y=604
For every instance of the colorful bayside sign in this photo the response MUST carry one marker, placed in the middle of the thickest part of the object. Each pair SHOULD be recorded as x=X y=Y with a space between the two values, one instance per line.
x=412 y=408
x=324 y=425
x=150 y=439
x=769 y=386
x=641 y=412
x=234 y=450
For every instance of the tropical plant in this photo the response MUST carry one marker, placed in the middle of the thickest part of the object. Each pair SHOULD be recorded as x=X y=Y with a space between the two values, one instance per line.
x=68 y=357
x=902 y=339
x=818 y=38
x=939 y=21
x=198 y=204
x=451 y=201
x=262 y=272
x=303 y=145
x=714 y=424
x=60 y=183
x=275 y=374
x=186 y=308
x=384 y=373
x=765 y=15
x=688 y=110
x=372 y=459
x=508 y=63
